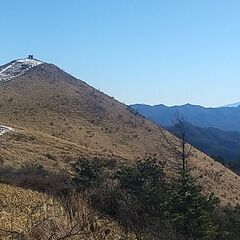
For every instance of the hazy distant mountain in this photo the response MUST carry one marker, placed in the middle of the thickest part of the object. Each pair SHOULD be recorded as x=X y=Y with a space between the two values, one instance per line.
x=225 y=118
x=233 y=105
x=212 y=141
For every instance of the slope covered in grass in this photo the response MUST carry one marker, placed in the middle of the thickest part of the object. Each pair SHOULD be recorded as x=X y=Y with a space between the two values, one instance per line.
x=59 y=118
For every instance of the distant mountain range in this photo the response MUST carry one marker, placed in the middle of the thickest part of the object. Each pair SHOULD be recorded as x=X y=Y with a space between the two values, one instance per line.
x=233 y=105
x=213 y=141
x=215 y=131
x=225 y=118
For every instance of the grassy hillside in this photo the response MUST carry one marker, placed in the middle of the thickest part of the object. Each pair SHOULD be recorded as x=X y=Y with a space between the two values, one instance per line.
x=31 y=215
x=60 y=118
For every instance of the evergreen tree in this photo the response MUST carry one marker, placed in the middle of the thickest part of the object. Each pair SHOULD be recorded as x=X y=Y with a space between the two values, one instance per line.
x=190 y=211
x=146 y=181
x=89 y=173
x=228 y=219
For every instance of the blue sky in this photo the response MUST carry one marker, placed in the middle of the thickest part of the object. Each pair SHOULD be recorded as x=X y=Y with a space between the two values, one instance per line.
x=139 y=51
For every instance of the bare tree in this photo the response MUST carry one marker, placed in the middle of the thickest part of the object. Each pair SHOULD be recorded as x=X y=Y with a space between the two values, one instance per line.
x=178 y=148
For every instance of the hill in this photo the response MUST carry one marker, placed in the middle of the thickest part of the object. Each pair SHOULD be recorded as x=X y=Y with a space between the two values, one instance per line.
x=59 y=118
x=225 y=118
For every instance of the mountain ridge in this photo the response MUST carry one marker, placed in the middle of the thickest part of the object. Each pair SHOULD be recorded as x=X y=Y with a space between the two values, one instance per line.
x=223 y=118
x=50 y=108
x=232 y=105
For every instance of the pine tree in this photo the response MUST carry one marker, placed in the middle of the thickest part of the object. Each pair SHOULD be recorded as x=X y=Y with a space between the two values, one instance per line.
x=190 y=211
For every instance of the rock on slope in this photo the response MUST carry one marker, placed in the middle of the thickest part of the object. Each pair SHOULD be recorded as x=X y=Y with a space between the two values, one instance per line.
x=48 y=104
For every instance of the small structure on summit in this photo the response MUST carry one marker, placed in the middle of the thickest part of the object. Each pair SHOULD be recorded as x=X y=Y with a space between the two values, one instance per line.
x=30 y=56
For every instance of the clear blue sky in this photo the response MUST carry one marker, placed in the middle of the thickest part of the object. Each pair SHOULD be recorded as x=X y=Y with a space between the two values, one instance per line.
x=139 y=51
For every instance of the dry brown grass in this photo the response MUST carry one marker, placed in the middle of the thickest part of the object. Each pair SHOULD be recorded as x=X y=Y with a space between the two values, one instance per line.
x=31 y=215
x=62 y=117
x=21 y=209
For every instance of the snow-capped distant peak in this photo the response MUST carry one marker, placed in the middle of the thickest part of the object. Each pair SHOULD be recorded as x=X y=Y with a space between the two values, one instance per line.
x=234 y=105
x=17 y=68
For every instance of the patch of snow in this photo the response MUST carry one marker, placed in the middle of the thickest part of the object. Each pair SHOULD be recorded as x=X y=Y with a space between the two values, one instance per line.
x=5 y=129
x=18 y=68
x=234 y=105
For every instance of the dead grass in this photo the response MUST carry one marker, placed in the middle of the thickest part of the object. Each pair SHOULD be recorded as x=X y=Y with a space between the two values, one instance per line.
x=61 y=118
x=30 y=215
x=21 y=209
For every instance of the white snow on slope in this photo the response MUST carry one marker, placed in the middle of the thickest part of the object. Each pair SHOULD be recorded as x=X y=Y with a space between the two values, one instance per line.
x=5 y=129
x=233 y=105
x=18 y=68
